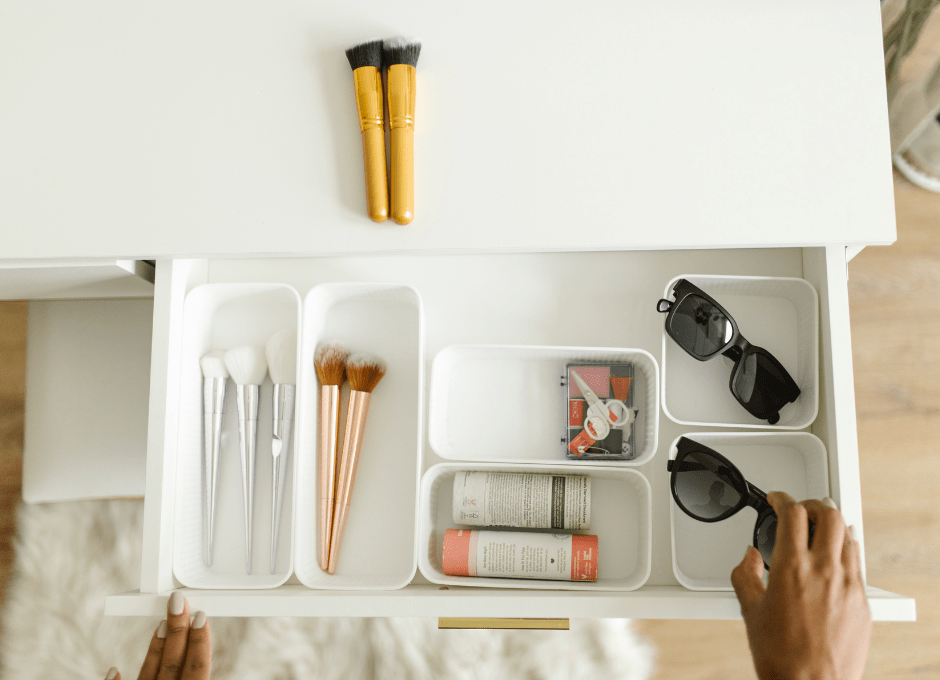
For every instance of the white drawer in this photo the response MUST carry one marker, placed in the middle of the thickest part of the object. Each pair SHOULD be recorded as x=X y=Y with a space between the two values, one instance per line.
x=506 y=299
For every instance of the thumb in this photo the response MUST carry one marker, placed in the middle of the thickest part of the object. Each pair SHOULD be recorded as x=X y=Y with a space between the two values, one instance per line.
x=746 y=579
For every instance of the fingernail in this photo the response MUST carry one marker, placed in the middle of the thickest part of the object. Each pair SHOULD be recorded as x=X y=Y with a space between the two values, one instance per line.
x=161 y=630
x=199 y=620
x=176 y=603
x=854 y=533
x=111 y=674
x=831 y=503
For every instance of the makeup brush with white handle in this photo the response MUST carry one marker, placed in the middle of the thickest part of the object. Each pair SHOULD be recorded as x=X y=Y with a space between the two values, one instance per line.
x=215 y=377
x=281 y=351
x=247 y=367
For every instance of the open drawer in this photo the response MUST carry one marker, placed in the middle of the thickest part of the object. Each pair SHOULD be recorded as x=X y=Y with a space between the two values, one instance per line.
x=523 y=299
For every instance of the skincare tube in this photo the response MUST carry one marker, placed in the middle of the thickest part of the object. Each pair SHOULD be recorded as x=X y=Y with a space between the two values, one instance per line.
x=518 y=554
x=521 y=500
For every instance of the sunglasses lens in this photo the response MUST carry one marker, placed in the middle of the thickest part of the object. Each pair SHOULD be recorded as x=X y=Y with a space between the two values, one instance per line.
x=706 y=487
x=767 y=536
x=760 y=382
x=699 y=326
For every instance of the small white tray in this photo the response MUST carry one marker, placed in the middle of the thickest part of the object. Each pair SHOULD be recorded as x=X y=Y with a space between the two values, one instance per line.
x=379 y=551
x=704 y=553
x=779 y=314
x=621 y=518
x=222 y=316
x=505 y=403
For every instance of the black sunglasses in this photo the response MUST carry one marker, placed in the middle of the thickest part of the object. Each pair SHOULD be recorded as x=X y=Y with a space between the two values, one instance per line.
x=704 y=329
x=708 y=487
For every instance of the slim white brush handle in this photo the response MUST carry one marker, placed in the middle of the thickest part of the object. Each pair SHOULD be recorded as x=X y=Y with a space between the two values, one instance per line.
x=247 y=398
x=214 y=407
x=283 y=414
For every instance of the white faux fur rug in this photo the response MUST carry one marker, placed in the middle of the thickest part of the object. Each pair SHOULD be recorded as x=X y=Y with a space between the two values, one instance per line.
x=70 y=555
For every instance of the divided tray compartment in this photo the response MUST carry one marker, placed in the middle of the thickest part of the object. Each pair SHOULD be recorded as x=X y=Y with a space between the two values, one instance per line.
x=704 y=553
x=222 y=316
x=379 y=548
x=621 y=518
x=779 y=314
x=506 y=403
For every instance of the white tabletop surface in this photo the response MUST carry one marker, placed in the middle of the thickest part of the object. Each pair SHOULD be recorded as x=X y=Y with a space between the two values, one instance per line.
x=221 y=127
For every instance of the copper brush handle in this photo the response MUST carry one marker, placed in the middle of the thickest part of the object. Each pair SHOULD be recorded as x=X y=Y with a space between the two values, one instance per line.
x=349 y=462
x=372 y=123
x=329 y=436
x=401 y=119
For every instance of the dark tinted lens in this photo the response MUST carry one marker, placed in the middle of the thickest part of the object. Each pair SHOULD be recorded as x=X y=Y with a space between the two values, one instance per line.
x=699 y=326
x=706 y=487
x=761 y=383
x=766 y=533
x=766 y=537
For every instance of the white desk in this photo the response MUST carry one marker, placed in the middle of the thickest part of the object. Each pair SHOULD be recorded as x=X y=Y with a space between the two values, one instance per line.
x=188 y=132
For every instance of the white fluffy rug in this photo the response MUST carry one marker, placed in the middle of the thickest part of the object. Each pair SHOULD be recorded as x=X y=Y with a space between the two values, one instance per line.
x=70 y=555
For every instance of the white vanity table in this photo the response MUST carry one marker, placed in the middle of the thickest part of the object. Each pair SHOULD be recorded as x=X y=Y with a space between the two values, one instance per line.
x=556 y=147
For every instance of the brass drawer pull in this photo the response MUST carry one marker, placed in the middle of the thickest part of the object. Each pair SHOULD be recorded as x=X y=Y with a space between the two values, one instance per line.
x=444 y=623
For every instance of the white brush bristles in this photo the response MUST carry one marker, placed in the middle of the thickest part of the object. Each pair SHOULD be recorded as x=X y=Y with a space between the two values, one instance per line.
x=213 y=364
x=246 y=364
x=281 y=351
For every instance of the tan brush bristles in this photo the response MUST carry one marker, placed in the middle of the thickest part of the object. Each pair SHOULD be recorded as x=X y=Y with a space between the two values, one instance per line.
x=364 y=372
x=330 y=362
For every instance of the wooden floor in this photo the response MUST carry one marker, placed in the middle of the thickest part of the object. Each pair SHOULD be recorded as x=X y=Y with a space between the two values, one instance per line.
x=895 y=304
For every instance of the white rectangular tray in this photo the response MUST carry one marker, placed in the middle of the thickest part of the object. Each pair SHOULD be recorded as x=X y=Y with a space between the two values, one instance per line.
x=221 y=316
x=505 y=403
x=379 y=551
x=704 y=553
x=621 y=518
x=779 y=314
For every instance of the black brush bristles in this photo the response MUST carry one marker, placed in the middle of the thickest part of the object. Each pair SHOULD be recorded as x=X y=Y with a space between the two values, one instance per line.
x=365 y=54
x=401 y=51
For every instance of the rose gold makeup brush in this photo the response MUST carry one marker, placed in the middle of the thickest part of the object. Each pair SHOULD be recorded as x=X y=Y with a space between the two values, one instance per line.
x=330 y=363
x=364 y=374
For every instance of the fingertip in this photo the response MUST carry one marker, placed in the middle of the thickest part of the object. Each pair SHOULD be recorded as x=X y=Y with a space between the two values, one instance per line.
x=199 y=620
x=113 y=674
x=176 y=604
x=779 y=499
x=161 y=630
x=831 y=503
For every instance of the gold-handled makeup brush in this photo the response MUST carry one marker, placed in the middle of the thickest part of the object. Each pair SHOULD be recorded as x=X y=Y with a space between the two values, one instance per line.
x=330 y=363
x=366 y=62
x=400 y=56
x=364 y=374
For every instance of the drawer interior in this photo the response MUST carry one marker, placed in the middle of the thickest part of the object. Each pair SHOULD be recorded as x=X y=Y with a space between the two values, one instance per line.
x=597 y=299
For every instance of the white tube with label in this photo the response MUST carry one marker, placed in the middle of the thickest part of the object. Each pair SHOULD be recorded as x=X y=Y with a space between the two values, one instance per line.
x=519 y=554
x=522 y=500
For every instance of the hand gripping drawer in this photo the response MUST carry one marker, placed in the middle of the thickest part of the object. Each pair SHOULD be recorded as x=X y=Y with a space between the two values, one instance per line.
x=603 y=299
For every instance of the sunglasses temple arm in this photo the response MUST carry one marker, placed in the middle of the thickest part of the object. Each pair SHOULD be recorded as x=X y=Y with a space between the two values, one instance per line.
x=756 y=498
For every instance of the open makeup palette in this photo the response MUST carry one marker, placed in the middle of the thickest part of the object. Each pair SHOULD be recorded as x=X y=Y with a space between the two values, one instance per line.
x=475 y=381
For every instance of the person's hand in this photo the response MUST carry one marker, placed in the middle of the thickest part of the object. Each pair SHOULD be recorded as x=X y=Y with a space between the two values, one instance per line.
x=812 y=620
x=177 y=650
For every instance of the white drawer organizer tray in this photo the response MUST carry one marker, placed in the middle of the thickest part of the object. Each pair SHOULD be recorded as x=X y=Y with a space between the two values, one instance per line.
x=776 y=313
x=537 y=299
x=704 y=553
x=501 y=403
x=221 y=317
x=621 y=518
x=379 y=551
